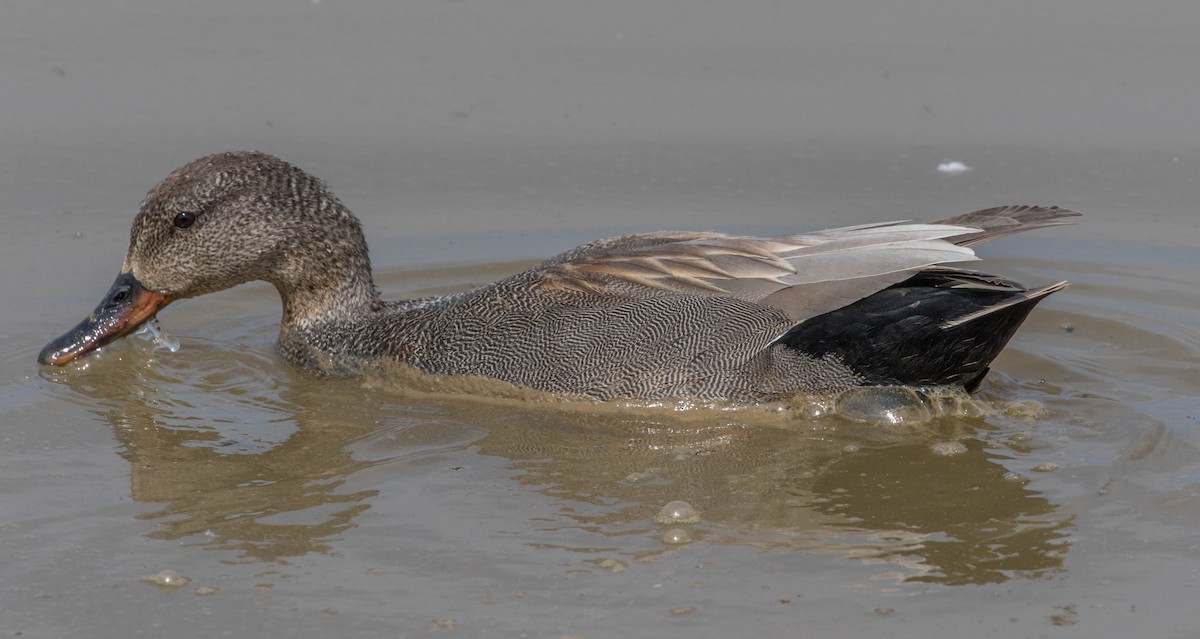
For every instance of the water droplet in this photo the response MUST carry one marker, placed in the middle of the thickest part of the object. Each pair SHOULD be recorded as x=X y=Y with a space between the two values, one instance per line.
x=152 y=331
x=677 y=512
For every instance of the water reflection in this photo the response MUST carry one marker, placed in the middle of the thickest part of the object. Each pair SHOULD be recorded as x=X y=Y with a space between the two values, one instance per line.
x=237 y=459
x=946 y=514
x=246 y=455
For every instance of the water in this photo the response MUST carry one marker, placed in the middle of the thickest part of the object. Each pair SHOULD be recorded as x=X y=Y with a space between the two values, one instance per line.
x=1061 y=501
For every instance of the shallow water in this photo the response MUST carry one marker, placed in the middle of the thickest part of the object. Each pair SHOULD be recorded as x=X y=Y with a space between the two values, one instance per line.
x=1061 y=502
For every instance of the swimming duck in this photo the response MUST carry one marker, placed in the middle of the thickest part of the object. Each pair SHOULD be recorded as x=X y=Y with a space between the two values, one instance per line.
x=654 y=315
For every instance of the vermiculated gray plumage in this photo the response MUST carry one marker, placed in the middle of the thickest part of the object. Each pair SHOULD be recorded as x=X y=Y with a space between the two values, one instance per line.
x=658 y=315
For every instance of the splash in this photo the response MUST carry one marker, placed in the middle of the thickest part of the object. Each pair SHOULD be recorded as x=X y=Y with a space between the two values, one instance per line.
x=155 y=334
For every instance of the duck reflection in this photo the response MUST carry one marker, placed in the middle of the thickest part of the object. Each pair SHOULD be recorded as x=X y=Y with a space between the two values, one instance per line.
x=933 y=500
x=238 y=460
x=247 y=456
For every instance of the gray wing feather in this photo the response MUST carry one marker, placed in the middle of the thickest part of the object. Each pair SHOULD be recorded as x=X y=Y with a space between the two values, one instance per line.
x=803 y=275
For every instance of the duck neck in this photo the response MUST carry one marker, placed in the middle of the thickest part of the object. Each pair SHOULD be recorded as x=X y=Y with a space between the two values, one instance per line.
x=330 y=285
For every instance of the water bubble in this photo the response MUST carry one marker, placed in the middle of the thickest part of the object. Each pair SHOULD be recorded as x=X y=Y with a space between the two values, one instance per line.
x=1016 y=478
x=885 y=405
x=168 y=577
x=677 y=512
x=812 y=410
x=1027 y=410
x=614 y=565
x=949 y=449
x=677 y=536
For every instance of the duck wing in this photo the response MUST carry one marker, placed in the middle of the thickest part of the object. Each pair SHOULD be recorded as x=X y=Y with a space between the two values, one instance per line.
x=804 y=275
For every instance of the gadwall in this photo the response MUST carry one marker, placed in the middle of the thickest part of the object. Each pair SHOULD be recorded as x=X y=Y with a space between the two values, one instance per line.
x=654 y=315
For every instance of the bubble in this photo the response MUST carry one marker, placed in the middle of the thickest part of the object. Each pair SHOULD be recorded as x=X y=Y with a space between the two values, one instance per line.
x=1027 y=410
x=613 y=565
x=850 y=448
x=887 y=405
x=169 y=578
x=677 y=536
x=1016 y=478
x=949 y=449
x=677 y=512
x=812 y=410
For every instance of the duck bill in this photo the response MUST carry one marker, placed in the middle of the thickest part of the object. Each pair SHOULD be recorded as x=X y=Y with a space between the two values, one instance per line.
x=125 y=307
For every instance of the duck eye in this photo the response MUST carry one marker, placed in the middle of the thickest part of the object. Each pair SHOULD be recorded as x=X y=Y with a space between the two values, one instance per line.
x=185 y=219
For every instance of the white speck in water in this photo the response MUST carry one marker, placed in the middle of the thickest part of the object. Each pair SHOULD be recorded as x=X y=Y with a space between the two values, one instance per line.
x=677 y=512
x=952 y=167
x=167 y=577
x=949 y=449
x=677 y=536
x=850 y=448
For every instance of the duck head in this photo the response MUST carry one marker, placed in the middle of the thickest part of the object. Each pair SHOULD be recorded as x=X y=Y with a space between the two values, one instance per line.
x=223 y=220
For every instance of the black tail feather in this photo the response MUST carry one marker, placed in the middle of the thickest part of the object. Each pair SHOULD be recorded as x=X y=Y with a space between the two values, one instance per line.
x=940 y=327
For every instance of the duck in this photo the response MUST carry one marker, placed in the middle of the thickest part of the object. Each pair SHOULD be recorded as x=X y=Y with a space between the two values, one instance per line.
x=662 y=315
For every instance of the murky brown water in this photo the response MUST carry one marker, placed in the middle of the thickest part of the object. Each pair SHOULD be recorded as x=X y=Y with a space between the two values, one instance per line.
x=1063 y=503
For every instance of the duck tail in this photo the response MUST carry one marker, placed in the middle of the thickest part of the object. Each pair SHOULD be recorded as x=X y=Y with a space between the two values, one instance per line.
x=901 y=336
x=1002 y=221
